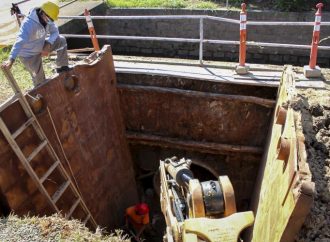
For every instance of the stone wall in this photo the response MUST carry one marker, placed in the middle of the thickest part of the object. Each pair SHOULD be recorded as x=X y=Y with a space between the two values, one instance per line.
x=212 y=30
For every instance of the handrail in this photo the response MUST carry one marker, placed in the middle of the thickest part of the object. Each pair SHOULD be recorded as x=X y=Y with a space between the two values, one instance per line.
x=138 y=17
x=210 y=41
x=242 y=22
x=176 y=17
x=257 y=23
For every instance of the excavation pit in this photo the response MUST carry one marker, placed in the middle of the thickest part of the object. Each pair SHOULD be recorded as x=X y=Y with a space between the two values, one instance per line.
x=114 y=129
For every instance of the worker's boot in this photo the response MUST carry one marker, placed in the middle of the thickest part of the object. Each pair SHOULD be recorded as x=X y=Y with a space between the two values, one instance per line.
x=63 y=69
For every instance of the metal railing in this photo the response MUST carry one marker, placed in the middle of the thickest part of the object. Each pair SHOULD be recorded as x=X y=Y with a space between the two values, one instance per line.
x=201 y=40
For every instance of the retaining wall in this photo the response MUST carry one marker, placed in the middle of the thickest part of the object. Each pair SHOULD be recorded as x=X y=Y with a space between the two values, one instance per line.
x=212 y=30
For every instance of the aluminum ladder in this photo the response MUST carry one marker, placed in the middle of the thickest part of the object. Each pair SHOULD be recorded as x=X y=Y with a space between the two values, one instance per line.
x=44 y=144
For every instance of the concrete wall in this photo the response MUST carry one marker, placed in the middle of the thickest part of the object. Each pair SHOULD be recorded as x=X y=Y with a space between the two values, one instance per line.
x=213 y=30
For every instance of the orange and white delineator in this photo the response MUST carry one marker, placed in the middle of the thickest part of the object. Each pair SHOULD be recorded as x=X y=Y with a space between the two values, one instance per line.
x=316 y=36
x=241 y=68
x=92 y=30
x=242 y=45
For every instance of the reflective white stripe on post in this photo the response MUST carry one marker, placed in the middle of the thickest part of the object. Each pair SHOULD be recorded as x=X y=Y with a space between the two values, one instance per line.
x=243 y=17
x=90 y=25
x=242 y=26
x=89 y=22
x=317 y=27
x=317 y=24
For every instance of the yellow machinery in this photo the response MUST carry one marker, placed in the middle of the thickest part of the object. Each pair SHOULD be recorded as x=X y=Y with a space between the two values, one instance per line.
x=198 y=211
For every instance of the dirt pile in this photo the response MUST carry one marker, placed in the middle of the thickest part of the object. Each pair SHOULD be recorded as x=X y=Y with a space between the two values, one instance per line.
x=53 y=228
x=314 y=106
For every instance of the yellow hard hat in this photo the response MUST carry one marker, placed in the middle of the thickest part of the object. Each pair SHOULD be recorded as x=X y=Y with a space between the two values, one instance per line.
x=51 y=9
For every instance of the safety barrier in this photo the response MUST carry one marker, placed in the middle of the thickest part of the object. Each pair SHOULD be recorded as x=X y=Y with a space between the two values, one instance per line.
x=312 y=70
x=91 y=30
x=201 y=40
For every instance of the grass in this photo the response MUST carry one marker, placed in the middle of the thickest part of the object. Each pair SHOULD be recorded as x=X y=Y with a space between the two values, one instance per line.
x=21 y=75
x=191 y=4
x=53 y=228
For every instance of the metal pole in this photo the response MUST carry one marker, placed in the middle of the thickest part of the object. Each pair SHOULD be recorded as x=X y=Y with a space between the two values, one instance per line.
x=201 y=38
x=227 y=4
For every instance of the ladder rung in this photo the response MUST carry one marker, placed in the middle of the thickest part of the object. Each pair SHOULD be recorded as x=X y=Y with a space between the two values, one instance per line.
x=37 y=150
x=60 y=191
x=74 y=206
x=50 y=170
x=23 y=127
x=87 y=218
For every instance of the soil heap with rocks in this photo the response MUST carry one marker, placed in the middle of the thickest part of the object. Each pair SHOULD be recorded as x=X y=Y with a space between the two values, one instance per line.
x=314 y=106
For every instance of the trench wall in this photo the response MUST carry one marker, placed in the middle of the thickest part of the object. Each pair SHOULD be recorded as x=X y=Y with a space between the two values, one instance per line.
x=284 y=190
x=212 y=30
x=164 y=117
x=90 y=127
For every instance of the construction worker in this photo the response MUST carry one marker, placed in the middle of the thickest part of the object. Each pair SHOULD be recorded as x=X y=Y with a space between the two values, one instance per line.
x=32 y=42
x=137 y=218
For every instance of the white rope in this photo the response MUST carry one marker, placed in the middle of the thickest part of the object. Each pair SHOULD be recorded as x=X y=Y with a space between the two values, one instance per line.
x=65 y=157
x=326 y=38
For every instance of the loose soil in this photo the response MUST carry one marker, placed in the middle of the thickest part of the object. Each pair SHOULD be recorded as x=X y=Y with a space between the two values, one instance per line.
x=314 y=106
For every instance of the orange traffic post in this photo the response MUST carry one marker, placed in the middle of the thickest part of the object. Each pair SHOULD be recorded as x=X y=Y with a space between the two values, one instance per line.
x=92 y=30
x=312 y=70
x=242 y=44
x=242 y=68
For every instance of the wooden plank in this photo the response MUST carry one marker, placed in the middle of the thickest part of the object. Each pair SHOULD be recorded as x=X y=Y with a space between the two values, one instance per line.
x=50 y=170
x=60 y=191
x=37 y=150
x=22 y=128
x=86 y=219
x=198 y=94
x=275 y=199
x=207 y=147
x=74 y=206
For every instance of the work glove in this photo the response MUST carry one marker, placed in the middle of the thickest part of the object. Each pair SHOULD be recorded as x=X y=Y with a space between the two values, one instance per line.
x=7 y=64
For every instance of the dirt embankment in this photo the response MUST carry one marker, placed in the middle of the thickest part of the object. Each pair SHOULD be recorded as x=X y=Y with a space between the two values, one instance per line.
x=314 y=106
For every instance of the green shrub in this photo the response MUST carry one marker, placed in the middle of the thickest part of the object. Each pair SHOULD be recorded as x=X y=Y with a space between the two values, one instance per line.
x=300 y=5
x=236 y=3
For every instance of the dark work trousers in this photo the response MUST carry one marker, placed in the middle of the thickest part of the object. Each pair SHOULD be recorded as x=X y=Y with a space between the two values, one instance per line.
x=34 y=63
